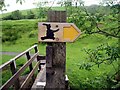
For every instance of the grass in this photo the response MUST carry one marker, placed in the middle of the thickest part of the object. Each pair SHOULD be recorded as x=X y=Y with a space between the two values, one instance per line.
x=79 y=79
x=27 y=28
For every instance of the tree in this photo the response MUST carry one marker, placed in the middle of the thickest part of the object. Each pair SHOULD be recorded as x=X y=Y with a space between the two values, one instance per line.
x=41 y=10
x=30 y=15
x=90 y=23
x=3 y=5
x=16 y=15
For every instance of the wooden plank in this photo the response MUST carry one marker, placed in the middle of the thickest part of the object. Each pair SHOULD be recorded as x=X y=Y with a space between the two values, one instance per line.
x=13 y=70
x=56 y=79
x=42 y=62
x=36 y=49
x=28 y=58
x=18 y=56
x=18 y=73
x=41 y=77
x=23 y=53
x=6 y=64
x=49 y=56
x=56 y=16
x=40 y=57
x=25 y=83
x=30 y=66
x=67 y=83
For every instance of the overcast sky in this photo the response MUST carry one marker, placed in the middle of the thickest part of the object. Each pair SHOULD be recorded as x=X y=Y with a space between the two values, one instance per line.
x=28 y=4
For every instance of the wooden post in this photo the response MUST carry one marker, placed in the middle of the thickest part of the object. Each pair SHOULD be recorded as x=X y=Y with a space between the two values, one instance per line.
x=49 y=56
x=30 y=66
x=28 y=57
x=13 y=70
x=55 y=74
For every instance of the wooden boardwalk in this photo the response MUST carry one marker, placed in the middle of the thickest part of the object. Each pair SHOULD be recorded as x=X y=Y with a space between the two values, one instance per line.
x=40 y=81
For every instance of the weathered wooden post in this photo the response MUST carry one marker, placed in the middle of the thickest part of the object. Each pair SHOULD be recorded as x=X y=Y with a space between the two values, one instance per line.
x=13 y=69
x=56 y=56
x=56 y=33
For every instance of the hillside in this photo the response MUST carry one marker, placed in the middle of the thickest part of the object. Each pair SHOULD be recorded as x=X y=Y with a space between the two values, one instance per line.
x=34 y=10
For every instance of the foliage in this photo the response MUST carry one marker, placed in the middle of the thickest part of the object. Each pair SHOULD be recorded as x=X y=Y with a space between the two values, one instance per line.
x=14 y=31
x=10 y=36
x=30 y=15
x=96 y=22
x=2 y=5
x=102 y=54
x=15 y=15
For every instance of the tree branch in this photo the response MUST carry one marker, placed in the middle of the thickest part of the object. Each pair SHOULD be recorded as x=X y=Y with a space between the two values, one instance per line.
x=106 y=33
x=99 y=30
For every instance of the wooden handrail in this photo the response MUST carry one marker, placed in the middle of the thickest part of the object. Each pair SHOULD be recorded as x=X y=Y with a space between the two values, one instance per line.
x=30 y=75
x=23 y=53
x=16 y=57
x=6 y=64
x=18 y=73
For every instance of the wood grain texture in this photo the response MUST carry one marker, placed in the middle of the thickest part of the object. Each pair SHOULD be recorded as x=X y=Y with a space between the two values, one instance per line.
x=56 y=74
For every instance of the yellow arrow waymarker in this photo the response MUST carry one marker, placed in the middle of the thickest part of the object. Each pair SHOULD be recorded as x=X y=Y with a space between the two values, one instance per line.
x=70 y=33
x=57 y=32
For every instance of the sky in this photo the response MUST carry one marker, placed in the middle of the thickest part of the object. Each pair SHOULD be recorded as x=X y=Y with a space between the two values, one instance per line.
x=28 y=4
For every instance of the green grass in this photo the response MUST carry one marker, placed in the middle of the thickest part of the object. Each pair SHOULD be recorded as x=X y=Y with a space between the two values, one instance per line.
x=81 y=79
x=27 y=27
x=5 y=58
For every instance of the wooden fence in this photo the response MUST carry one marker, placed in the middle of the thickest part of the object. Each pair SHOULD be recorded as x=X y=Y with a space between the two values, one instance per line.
x=14 y=80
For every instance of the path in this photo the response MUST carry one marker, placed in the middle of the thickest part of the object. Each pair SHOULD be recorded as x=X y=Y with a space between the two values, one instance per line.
x=13 y=54
x=9 y=53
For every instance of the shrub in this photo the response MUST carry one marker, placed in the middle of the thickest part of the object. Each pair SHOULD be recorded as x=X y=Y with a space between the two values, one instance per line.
x=30 y=15
x=10 y=36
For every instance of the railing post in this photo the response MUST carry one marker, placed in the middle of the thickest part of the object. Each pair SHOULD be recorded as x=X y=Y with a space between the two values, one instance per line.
x=30 y=66
x=36 y=49
x=13 y=70
x=28 y=57
x=39 y=66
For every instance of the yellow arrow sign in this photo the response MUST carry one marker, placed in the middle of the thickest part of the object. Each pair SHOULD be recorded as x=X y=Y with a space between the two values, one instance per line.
x=57 y=32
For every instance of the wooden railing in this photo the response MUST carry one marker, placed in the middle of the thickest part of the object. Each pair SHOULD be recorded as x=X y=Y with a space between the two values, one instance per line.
x=14 y=80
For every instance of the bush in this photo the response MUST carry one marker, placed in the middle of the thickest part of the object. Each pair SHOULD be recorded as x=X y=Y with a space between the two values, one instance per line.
x=15 y=15
x=30 y=15
x=10 y=36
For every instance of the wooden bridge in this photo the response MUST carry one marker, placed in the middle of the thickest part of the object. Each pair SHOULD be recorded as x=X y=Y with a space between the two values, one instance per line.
x=30 y=82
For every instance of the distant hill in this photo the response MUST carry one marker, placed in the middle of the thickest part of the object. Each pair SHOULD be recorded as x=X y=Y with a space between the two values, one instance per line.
x=34 y=10
x=41 y=13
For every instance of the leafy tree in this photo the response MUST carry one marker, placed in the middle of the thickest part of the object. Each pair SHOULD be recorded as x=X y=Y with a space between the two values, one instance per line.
x=30 y=15
x=104 y=21
x=2 y=5
x=41 y=10
x=16 y=15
